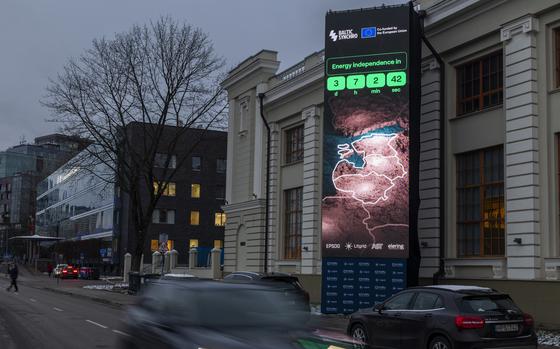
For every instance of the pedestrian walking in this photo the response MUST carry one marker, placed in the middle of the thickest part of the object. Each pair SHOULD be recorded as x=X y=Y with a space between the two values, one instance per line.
x=49 y=269
x=13 y=271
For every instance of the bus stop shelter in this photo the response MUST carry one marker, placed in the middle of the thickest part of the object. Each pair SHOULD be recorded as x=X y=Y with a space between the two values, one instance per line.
x=32 y=243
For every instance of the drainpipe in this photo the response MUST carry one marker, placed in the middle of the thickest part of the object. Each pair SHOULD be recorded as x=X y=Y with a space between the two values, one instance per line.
x=441 y=269
x=267 y=204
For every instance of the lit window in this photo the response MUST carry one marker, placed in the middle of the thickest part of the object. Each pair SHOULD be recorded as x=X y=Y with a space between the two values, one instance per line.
x=154 y=245
x=193 y=243
x=221 y=165
x=169 y=188
x=218 y=243
x=195 y=191
x=170 y=245
x=196 y=163
x=195 y=217
x=480 y=203
x=220 y=219
x=161 y=159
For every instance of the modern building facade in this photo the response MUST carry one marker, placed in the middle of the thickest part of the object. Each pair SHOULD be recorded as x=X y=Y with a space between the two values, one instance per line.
x=500 y=184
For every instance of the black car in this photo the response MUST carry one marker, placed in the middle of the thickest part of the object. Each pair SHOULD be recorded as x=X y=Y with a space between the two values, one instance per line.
x=216 y=315
x=287 y=282
x=445 y=317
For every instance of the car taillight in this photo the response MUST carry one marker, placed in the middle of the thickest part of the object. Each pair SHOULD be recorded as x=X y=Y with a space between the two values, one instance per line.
x=65 y=271
x=75 y=270
x=469 y=322
x=528 y=320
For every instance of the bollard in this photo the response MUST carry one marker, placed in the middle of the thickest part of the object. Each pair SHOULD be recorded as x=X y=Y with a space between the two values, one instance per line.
x=127 y=266
x=193 y=257
x=166 y=262
x=156 y=262
x=141 y=269
x=174 y=259
x=215 y=263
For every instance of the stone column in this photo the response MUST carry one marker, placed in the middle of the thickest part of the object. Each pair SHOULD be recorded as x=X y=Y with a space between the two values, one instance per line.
x=215 y=263
x=310 y=239
x=193 y=256
x=156 y=262
x=127 y=265
x=174 y=259
x=273 y=182
x=521 y=148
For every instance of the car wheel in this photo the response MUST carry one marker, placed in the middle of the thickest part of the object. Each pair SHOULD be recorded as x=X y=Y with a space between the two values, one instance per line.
x=359 y=334
x=439 y=343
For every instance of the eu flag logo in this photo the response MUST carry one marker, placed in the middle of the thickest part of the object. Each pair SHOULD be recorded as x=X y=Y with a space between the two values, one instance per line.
x=369 y=32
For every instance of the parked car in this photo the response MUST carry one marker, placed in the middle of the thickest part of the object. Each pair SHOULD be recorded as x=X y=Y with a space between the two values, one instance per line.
x=58 y=269
x=445 y=317
x=218 y=315
x=285 y=281
x=89 y=273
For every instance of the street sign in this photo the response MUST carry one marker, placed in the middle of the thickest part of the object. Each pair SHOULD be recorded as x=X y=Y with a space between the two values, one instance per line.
x=163 y=247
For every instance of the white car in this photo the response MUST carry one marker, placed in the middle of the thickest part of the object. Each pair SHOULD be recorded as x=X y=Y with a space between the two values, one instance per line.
x=58 y=270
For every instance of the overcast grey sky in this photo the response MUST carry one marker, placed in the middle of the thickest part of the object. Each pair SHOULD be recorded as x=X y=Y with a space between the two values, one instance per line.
x=38 y=36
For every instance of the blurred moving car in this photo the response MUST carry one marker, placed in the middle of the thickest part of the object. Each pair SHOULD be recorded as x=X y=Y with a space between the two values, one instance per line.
x=287 y=282
x=89 y=273
x=445 y=317
x=67 y=272
x=217 y=315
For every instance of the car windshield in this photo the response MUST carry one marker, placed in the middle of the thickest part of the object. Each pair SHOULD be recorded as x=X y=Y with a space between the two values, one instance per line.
x=484 y=304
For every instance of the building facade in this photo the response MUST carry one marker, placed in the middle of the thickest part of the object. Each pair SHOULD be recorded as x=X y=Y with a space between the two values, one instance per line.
x=500 y=186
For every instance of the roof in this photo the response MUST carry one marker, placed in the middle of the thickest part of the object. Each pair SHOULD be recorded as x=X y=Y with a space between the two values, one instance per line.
x=35 y=238
x=463 y=288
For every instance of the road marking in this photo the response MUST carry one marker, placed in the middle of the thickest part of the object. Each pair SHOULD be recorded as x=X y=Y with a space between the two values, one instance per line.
x=96 y=324
x=122 y=333
x=57 y=309
x=33 y=300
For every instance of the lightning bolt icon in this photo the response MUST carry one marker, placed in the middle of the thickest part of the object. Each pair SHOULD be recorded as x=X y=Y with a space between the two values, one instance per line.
x=333 y=35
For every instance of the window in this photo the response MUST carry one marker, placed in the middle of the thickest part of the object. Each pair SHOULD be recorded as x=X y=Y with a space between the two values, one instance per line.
x=162 y=216
x=195 y=218
x=161 y=159
x=221 y=165
x=243 y=115
x=169 y=189
x=480 y=203
x=427 y=301
x=480 y=84
x=193 y=243
x=195 y=191
x=293 y=223
x=220 y=192
x=220 y=219
x=154 y=245
x=196 y=163
x=400 y=302
x=294 y=144
x=218 y=244
x=557 y=51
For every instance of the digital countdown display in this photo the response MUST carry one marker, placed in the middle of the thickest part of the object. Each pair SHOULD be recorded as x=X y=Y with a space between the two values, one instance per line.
x=371 y=66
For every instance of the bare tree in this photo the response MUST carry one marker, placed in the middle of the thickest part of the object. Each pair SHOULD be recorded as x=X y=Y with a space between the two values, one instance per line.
x=151 y=77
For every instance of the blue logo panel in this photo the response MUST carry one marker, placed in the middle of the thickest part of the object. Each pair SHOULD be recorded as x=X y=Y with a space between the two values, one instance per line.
x=350 y=284
x=369 y=32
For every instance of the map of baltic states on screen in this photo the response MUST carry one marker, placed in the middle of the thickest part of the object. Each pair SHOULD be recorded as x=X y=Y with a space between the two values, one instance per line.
x=365 y=211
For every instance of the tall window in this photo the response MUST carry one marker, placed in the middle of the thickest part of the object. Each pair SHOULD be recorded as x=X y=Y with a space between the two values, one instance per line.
x=294 y=144
x=480 y=203
x=169 y=189
x=221 y=165
x=480 y=84
x=162 y=216
x=293 y=223
x=161 y=159
x=195 y=191
x=196 y=163
x=220 y=219
x=220 y=192
x=195 y=218
x=557 y=51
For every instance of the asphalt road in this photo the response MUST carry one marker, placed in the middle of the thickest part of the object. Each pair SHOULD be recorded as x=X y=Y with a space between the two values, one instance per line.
x=35 y=319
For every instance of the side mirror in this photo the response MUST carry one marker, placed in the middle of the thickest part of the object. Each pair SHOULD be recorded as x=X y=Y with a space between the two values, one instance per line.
x=379 y=308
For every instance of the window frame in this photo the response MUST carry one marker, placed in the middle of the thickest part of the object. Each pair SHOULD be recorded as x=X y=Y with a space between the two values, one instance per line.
x=194 y=191
x=294 y=150
x=222 y=219
x=482 y=185
x=481 y=93
x=292 y=239
x=191 y=217
x=200 y=164
x=172 y=160
x=224 y=162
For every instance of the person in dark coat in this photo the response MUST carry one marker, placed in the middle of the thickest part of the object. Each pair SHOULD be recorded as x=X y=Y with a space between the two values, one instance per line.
x=49 y=269
x=13 y=271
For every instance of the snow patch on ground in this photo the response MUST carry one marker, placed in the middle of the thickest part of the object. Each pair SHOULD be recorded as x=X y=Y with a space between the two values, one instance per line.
x=108 y=287
x=550 y=338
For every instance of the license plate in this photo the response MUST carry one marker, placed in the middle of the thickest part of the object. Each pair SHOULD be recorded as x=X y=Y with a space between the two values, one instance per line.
x=507 y=328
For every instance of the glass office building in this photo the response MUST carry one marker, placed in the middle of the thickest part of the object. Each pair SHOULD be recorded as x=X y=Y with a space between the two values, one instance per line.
x=79 y=205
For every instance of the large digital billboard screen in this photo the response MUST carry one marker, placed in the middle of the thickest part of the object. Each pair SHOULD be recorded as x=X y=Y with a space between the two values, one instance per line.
x=366 y=149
